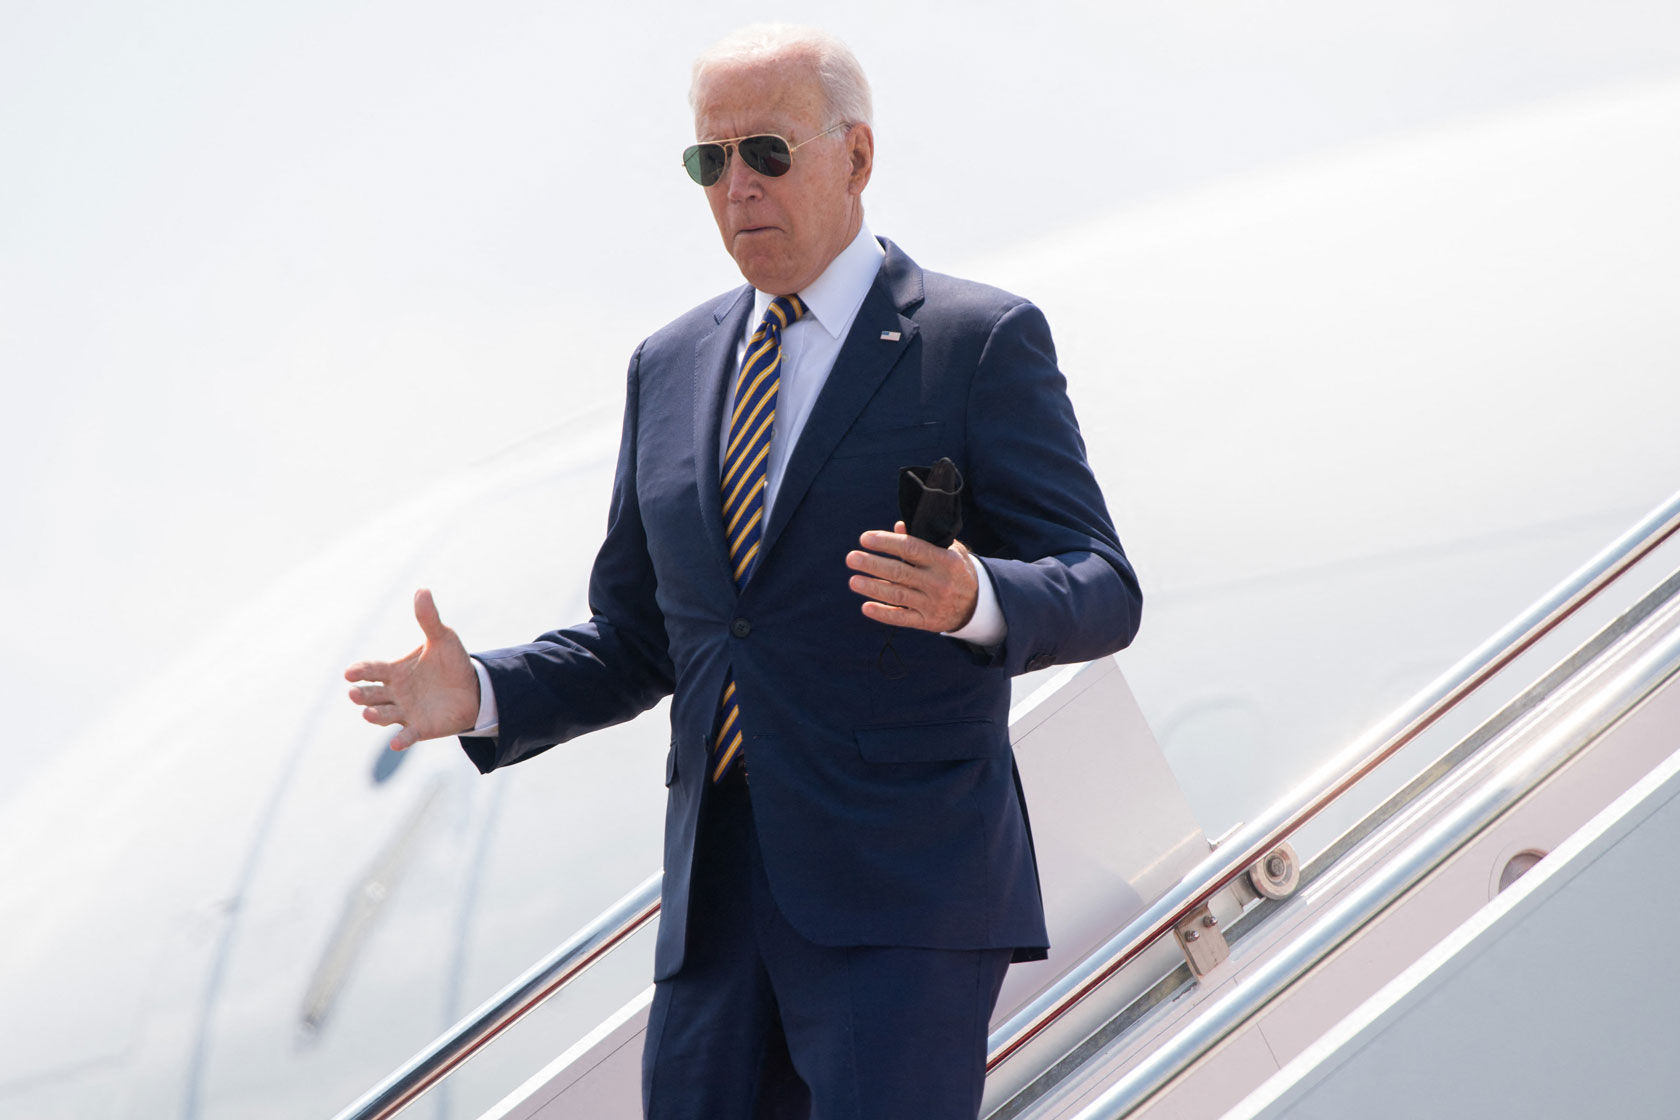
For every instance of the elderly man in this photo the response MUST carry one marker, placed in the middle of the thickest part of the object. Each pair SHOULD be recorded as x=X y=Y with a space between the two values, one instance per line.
x=848 y=865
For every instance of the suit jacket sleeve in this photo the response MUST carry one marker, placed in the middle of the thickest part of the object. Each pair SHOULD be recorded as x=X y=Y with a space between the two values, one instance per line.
x=583 y=678
x=1067 y=591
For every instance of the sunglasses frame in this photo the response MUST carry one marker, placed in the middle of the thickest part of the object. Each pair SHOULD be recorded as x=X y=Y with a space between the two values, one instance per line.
x=733 y=144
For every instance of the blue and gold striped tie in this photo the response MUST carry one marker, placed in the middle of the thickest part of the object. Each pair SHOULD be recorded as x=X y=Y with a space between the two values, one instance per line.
x=744 y=477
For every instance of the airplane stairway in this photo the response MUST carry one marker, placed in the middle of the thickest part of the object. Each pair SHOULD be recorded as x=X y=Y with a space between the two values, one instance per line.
x=1557 y=1001
x=1233 y=977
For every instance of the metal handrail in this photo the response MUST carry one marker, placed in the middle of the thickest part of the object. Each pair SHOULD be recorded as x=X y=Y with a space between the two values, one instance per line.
x=510 y=1005
x=1558 y=736
x=1239 y=852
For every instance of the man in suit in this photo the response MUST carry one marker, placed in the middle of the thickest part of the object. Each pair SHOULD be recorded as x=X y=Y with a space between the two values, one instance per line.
x=848 y=864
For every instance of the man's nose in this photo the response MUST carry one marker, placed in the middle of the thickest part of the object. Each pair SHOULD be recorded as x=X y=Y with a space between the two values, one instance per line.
x=741 y=181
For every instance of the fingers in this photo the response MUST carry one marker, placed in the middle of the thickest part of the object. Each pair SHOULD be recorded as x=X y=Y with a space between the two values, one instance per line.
x=894 y=616
x=900 y=544
x=368 y=671
x=369 y=695
x=910 y=582
x=428 y=694
x=887 y=591
x=902 y=562
x=426 y=614
x=883 y=567
x=382 y=714
x=899 y=599
x=897 y=604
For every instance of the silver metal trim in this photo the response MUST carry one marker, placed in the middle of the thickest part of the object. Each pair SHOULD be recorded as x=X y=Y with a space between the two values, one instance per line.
x=1560 y=732
x=511 y=1004
x=1234 y=856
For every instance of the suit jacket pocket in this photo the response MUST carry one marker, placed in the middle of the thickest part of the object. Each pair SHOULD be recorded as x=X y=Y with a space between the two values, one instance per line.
x=907 y=440
x=933 y=742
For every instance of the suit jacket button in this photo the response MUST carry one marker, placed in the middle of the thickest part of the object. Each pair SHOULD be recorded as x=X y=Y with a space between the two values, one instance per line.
x=1037 y=662
x=740 y=628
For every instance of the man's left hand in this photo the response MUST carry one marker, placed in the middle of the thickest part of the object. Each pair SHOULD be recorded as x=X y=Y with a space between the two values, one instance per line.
x=909 y=582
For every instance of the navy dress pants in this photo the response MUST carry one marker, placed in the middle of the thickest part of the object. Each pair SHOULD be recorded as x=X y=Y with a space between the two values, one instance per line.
x=761 y=1024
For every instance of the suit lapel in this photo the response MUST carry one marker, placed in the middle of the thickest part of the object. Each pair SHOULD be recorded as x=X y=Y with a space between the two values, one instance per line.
x=865 y=359
x=714 y=362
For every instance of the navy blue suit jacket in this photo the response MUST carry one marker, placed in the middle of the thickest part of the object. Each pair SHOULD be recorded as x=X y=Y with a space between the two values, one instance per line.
x=887 y=804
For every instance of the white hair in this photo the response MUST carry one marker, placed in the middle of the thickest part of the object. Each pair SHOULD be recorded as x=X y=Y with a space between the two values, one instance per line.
x=843 y=84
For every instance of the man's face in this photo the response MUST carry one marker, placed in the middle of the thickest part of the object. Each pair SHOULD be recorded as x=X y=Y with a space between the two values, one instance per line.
x=784 y=230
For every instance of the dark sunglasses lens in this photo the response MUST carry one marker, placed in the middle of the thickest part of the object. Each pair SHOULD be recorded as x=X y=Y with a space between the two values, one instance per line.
x=767 y=155
x=704 y=163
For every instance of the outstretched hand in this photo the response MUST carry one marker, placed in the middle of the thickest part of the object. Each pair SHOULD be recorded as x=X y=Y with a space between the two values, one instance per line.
x=909 y=582
x=431 y=693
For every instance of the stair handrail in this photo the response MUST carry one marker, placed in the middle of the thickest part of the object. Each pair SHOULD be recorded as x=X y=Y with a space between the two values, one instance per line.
x=1275 y=825
x=502 y=1010
x=1559 y=736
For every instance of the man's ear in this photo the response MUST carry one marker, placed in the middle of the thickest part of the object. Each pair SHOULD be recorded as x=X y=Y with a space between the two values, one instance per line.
x=860 y=140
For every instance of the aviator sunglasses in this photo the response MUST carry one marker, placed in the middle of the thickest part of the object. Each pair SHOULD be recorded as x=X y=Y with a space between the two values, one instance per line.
x=768 y=155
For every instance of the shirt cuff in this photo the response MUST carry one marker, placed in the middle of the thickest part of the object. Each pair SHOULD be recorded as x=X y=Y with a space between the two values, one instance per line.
x=987 y=628
x=488 y=718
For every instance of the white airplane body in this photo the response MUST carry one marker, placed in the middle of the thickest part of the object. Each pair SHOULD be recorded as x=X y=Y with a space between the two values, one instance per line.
x=1350 y=416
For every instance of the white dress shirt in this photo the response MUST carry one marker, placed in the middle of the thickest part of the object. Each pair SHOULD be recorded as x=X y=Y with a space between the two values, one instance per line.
x=809 y=348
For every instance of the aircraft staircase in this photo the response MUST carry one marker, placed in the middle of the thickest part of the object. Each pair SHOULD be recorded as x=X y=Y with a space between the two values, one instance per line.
x=1480 y=926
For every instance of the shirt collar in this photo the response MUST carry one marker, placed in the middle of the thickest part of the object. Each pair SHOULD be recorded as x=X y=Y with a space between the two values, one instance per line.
x=833 y=298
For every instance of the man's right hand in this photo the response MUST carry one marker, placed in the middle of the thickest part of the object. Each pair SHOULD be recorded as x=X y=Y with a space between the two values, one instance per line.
x=431 y=693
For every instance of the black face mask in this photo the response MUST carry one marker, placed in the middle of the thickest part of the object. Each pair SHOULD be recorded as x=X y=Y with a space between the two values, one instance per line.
x=930 y=501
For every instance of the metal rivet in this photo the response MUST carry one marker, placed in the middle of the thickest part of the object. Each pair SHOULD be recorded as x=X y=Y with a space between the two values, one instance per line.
x=1210 y=921
x=1191 y=935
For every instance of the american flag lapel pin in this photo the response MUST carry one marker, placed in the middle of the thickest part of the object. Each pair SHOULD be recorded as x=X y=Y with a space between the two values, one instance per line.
x=890 y=336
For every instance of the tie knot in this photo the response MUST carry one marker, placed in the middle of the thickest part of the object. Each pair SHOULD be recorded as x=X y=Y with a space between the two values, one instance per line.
x=783 y=310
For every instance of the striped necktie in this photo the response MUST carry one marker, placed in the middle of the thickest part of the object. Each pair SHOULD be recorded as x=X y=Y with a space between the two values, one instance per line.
x=744 y=477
